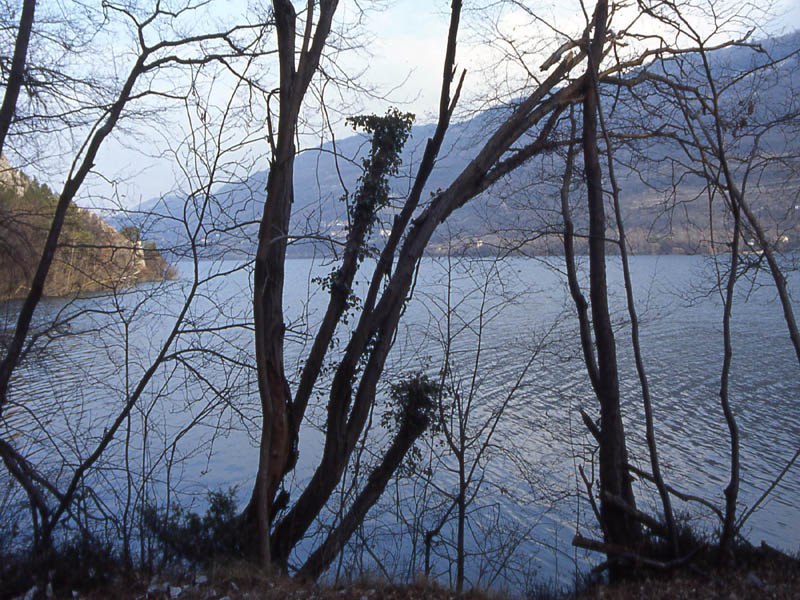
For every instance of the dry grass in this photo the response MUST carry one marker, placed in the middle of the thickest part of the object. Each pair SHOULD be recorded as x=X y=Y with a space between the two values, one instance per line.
x=760 y=574
x=239 y=581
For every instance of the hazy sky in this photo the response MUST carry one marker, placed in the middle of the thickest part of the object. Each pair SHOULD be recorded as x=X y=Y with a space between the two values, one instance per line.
x=410 y=34
x=404 y=61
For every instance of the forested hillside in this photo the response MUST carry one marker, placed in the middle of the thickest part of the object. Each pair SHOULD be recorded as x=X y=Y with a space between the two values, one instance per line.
x=91 y=255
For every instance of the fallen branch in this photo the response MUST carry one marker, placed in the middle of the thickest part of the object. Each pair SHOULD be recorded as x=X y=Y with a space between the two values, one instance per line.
x=596 y=545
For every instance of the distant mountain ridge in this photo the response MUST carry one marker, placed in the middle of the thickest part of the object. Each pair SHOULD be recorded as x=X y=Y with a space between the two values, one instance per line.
x=319 y=209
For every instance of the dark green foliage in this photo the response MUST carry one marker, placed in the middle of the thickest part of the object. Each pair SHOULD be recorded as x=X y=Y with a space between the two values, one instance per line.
x=79 y=564
x=389 y=135
x=414 y=400
x=185 y=535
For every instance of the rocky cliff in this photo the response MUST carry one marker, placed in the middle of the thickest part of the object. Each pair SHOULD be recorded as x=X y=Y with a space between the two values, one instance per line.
x=92 y=256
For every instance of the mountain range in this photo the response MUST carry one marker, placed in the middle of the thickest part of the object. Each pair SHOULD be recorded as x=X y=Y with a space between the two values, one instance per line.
x=523 y=202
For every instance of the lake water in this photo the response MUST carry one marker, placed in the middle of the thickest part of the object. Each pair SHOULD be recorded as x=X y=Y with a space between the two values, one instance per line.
x=195 y=427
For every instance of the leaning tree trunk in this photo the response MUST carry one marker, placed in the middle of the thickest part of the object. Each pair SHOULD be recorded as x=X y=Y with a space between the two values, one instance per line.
x=418 y=406
x=17 y=73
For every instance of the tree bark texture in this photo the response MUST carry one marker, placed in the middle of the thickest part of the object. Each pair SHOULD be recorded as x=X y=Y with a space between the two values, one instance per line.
x=268 y=273
x=614 y=479
x=17 y=73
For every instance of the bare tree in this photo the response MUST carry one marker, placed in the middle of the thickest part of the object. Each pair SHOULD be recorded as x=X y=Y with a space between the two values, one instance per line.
x=727 y=140
x=60 y=494
x=471 y=419
x=16 y=73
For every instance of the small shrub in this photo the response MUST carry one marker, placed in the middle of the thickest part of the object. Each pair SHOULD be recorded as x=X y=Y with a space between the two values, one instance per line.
x=76 y=564
x=188 y=536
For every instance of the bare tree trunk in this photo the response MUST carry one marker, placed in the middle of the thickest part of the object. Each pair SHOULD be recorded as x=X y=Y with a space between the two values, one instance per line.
x=614 y=478
x=650 y=434
x=268 y=275
x=461 y=519
x=732 y=490
x=775 y=270
x=16 y=75
x=415 y=421
x=581 y=306
x=342 y=432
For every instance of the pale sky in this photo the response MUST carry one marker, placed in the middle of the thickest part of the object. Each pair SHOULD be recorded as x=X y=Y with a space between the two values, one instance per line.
x=404 y=61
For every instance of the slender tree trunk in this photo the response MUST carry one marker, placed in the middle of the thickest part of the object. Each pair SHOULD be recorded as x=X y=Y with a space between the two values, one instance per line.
x=774 y=267
x=581 y=306
x=650 y=434
x=461 y=522
x=268 y=279
x=732 y=489
x=614 y=478
x=16 y=76
x=268 y=272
